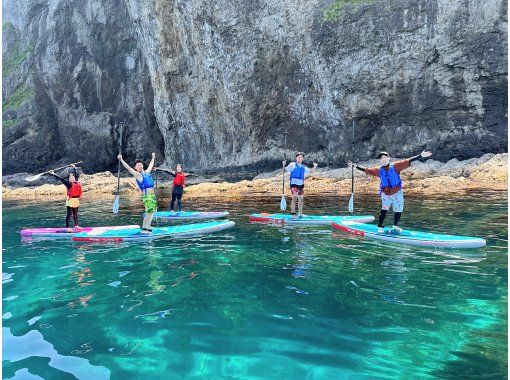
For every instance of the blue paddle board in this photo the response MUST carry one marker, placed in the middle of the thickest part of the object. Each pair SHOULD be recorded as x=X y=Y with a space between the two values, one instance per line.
x=307 y=220
x=135 y=234
x=190 y=215
x=417 y=238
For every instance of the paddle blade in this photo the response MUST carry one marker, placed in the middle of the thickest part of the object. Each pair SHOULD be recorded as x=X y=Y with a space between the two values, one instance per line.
x=34 y=178
x=351 y=204
x=115 y=207
x=283 y=203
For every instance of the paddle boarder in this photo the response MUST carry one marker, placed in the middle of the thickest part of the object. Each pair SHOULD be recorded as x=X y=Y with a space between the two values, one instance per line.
x=145 y=183
x=390 y=188
x=74 y=193
x=298 y=172
x=178 y=185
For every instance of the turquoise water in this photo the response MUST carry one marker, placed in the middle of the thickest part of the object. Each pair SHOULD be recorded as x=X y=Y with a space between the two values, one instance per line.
x=257 y=301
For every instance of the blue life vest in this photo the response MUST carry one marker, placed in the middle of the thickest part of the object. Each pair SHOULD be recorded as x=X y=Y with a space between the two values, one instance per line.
x=389 y=178
x=147 y=182
x=298 y=173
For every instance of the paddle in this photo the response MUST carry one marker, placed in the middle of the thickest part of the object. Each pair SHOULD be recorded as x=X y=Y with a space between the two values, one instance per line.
x=116 y=202
x=283 y=202
x=37 y=176
x=155 y=175
x=115 y=207
x=351 y=200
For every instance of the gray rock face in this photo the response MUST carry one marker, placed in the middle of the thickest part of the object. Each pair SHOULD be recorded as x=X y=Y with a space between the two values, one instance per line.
x=215 y=84
x=81 y=75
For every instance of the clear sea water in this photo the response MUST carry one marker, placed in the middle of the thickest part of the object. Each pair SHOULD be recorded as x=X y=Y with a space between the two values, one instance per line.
x=257 y=301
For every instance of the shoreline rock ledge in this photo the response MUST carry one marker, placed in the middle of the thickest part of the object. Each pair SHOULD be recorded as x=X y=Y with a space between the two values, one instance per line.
x=489 y=172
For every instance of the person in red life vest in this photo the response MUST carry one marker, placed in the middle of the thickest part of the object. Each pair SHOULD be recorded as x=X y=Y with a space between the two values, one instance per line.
x=298 y=172
x=390 y=188
x=145 y=183
x=74 y=193
x=178 y=185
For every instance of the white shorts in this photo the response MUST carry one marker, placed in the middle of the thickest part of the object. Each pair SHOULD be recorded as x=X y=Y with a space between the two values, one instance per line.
x=396 y=201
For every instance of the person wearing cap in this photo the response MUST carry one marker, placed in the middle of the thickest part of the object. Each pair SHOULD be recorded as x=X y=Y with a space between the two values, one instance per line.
x=298 y=172
x=390 y=189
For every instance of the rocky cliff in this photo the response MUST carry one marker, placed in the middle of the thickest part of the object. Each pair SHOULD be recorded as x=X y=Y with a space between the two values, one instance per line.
x=73 y=73
x=216 y=84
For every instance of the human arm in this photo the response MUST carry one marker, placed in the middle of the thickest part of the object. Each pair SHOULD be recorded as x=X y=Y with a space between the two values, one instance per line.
x=171 y=172
x=424 y=154
x=64 y=181
x=151 y=164
x=290 y=167
x=75 y=172
x=404 y=164
x=311 y=170
x=368 y=171
x=129 y=168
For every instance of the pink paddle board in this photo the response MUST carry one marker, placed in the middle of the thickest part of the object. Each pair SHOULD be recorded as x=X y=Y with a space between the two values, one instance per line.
x=65 y=232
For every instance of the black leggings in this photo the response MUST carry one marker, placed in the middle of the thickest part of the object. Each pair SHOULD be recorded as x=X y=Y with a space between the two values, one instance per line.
x=179 y=202
x=396 y=217
x=74 y=212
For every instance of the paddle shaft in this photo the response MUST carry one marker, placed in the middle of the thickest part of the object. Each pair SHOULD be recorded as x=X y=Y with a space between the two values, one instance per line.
x=120 y=152
x=284 y=150
x=37 y=176
x=118 y=179
x=156 y=175
x=63 y=167
x=352 y=156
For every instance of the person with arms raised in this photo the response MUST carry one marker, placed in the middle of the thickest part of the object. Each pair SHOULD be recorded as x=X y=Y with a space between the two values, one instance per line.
x=390 y=188
x=145 y=183
x=74 y=193
x=178 y=185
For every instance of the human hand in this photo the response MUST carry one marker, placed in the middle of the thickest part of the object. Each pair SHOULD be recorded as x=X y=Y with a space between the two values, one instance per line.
x=153 y=155
x=315 y=164
x=425 y=154
x=119 y=157
x=284 y=162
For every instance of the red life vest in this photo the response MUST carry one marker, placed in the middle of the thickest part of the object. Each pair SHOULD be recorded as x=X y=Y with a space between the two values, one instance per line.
x=75 y=190
x=179 y=179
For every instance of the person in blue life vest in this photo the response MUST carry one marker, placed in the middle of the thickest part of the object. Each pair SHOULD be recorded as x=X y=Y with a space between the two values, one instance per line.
x=145 y=183
x=298 y=172
x=390 y=188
